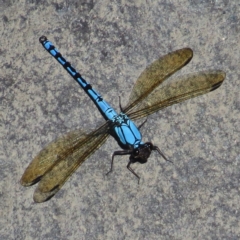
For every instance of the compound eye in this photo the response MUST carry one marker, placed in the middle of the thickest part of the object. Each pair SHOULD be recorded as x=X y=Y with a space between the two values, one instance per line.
x=136 y=152
x=149 y=145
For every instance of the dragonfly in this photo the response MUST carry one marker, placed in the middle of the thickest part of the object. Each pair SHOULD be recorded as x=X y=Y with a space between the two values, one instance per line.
x=59 y=159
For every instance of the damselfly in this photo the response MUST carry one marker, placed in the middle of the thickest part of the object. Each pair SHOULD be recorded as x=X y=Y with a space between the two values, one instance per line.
x=58 y=160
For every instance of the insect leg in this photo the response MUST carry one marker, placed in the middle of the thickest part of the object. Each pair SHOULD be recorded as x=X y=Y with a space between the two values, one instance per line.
x=123 y=152
x=132 y=171
x=161 y=153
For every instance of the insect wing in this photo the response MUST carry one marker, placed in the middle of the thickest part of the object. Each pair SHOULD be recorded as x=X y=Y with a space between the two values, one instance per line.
x=184 y=88
x=50 y=156
x=156 y=73
x=55 y=163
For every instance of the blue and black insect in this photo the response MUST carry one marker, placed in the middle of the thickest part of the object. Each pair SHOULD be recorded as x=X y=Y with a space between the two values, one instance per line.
x=59 y=159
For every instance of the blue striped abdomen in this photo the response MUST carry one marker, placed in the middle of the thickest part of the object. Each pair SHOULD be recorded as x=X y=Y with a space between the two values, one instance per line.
x=105 y=109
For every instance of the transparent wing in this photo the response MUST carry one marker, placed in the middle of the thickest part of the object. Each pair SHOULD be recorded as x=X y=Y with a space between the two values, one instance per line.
x=156 y=73
x=184 y=88
x=58 y=160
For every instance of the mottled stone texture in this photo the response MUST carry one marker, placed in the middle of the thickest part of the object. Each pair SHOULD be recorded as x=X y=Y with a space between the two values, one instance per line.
x=111 y=43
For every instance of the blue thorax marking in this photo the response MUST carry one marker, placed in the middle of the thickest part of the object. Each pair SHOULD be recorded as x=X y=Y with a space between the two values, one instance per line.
x=128 y=134
x=124 y=130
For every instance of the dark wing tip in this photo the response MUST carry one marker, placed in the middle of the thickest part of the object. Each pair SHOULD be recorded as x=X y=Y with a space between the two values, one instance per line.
x=38 y=198
x=188 y=52
x=221 y=76
x=215 y=86
x=26 y=183
x=41 y=196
